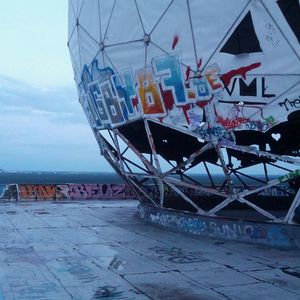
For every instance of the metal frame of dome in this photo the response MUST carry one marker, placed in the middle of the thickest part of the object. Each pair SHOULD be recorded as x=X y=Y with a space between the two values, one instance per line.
x=141 y=144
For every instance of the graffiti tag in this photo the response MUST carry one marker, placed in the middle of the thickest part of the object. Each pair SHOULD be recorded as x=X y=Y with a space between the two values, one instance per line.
x=290 y=104
x=289 y=176
x=91 y=191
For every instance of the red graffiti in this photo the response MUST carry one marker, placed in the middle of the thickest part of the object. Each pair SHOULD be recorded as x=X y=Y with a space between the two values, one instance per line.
x=235 y=119
x=187 y=73
x=202 y=104
x=199 y=63
x=175 y=41
x=71 y=191
x=135 y=102
x=226 y=78
x=167 y=98
x=185 y=109
x=231 y=123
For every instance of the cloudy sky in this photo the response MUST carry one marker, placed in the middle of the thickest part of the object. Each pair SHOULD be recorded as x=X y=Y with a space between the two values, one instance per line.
x=42 y=124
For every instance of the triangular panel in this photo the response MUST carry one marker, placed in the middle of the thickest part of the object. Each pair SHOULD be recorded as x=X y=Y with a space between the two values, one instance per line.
x=150 y=17
x=122 y=29
x=173 y=33
x=124 y=61
x=88 y=47
x=244 y=39
x=90 y=10
x=291 y=11
x=106 y=9
x=74 y=4
x=74 y=51
x=209 y=30
x=72 y=20
x=79 y=6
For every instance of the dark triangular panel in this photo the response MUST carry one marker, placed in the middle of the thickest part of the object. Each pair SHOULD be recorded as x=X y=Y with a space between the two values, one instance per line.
x=243 y=39
x=291 y=12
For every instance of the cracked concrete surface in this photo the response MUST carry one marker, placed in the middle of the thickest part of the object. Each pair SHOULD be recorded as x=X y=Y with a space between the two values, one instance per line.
x=103 y=250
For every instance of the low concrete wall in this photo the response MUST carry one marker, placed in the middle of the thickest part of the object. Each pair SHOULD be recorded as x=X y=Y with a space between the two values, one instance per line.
x=86 y=191
x=276 y=235
x=39 y=192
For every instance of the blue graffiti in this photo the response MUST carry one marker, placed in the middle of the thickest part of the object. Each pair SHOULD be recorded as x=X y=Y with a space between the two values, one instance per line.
x=125 y=90
x=169 y=68
x=108 y=99
x=201 y=88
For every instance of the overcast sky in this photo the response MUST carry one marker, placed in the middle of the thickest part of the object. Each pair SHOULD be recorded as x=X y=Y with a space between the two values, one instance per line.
x=42 y=124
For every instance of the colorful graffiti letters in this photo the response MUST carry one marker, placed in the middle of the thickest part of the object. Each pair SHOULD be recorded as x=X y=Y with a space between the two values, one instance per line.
x=33 y=192
x=28 y=191
x=112 y=103
x=169 y=70
x=125 y=89
x=149 y=93
x=91 y=191
x=109 y=99
x=259 y=125
x=202 y=89
x=231 y=123
x=211 y=74
x=95 y=93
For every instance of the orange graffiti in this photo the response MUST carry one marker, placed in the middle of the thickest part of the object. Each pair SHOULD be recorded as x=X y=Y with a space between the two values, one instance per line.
x=37 y=192
x=149 y=93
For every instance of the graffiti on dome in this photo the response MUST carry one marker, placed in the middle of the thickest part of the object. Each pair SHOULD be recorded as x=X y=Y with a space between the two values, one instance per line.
x=177 y=95
x=111 y=99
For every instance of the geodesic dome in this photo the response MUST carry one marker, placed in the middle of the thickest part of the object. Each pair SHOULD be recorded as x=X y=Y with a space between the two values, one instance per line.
x=173 y=89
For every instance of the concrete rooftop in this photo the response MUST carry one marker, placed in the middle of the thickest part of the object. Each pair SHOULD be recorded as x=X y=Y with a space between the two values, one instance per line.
x=103 y=250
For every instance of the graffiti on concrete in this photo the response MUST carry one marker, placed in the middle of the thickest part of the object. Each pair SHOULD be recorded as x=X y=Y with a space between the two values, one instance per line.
x=109 y=292
x=176 y=255
x=38 y=290
x=232 y=230
x=8 y=192
x=34 y=192
x=91 y=191
x=78 y=267
x=236 y=230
